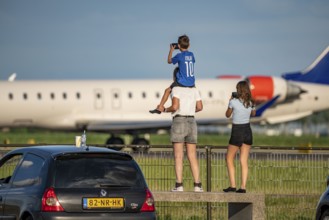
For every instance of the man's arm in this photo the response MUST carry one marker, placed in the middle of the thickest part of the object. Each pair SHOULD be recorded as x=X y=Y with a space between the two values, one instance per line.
x=174 y=105
x=199 y=106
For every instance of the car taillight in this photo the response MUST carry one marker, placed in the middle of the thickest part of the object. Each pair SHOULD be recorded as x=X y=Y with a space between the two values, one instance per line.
x=50 y=202
x=148 y=205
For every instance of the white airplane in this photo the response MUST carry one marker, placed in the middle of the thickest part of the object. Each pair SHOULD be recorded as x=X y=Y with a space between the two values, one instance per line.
x=122 y=106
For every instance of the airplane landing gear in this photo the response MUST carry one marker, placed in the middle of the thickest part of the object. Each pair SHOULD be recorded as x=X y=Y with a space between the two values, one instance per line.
x=113 y=141
x=141 y=144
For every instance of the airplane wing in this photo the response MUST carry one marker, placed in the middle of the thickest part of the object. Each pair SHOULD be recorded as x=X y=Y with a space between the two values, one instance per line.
x=290 y=117
x=144 y=125
x=127 y=126
x=260 y=109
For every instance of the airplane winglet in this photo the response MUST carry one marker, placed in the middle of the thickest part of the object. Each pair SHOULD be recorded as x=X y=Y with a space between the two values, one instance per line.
x=12 y=77
x=260 y=110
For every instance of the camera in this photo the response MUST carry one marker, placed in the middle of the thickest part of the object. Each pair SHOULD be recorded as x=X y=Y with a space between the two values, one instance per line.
x=235 y=95
x=175 y=45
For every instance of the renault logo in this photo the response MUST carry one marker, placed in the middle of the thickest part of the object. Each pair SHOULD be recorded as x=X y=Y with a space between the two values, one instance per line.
x=103 y=193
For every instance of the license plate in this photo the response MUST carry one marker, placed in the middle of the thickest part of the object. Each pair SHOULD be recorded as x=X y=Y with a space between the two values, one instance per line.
x=98 y=203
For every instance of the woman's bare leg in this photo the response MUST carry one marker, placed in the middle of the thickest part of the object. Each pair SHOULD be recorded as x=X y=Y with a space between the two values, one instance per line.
x=244 y=155
x=230 y=156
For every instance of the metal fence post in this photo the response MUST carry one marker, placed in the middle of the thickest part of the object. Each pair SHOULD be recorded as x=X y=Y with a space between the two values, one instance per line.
x=208 y=167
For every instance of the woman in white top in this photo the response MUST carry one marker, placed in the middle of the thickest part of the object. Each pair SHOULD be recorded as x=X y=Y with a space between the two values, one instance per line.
x=242 y=107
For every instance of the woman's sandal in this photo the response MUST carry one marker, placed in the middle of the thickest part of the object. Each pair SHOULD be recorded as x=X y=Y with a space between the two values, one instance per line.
x=229 y=189
x=241 y=191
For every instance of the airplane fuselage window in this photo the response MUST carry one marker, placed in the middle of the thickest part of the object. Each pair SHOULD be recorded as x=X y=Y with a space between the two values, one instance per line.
x=52 y=96
x=98 y=95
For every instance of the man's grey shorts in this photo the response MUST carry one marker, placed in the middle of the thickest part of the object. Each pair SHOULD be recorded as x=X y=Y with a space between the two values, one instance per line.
x=184 y=130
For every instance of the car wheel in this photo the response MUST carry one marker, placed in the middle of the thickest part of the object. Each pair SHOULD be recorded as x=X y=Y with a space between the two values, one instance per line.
x=28 y=218
x=325 y=215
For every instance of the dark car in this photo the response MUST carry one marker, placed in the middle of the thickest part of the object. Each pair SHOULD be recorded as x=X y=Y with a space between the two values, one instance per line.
x=66 y=182
x=322 y=209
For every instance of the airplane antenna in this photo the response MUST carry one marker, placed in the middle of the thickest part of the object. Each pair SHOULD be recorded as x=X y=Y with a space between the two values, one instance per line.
x=12 y=77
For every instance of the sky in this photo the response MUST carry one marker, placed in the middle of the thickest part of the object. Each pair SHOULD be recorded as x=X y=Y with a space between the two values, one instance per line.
x=129 y=39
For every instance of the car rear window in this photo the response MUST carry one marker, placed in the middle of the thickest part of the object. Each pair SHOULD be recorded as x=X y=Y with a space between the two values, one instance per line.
x=93 y=171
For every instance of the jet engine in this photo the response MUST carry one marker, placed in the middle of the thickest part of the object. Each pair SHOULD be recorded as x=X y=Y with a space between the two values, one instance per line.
x=264 y=88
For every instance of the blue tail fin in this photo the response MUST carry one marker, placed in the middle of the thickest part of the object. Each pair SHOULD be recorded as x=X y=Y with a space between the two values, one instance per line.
x=317 y=72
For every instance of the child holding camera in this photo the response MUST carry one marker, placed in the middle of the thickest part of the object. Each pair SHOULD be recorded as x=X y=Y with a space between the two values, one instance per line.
x=184 y=74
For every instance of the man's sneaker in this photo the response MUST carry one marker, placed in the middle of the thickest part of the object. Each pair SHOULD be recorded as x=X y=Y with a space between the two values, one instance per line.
x=178 y=189
x=198 y=187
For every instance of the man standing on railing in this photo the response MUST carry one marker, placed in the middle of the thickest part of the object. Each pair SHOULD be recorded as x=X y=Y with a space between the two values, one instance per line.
x=185 y=102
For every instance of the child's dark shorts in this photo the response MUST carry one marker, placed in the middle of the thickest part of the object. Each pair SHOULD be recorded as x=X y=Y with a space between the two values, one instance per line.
x=241 y=134
x=174 y=84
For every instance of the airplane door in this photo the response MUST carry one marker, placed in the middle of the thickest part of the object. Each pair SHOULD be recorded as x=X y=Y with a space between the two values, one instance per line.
x=116 y=99
x=98 y=99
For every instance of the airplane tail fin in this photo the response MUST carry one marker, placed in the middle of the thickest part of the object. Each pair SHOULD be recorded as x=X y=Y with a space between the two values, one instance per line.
x=317 y=72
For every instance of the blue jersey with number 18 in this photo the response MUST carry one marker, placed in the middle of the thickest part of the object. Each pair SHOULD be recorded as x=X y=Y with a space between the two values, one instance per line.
x=185 y=61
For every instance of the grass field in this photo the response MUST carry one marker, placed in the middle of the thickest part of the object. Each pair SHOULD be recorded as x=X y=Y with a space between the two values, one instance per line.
x=38 y=136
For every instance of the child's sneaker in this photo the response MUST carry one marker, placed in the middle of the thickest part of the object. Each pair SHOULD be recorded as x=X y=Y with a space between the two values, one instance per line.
x=198 y=187
x=155 y=111
x=178 y=188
